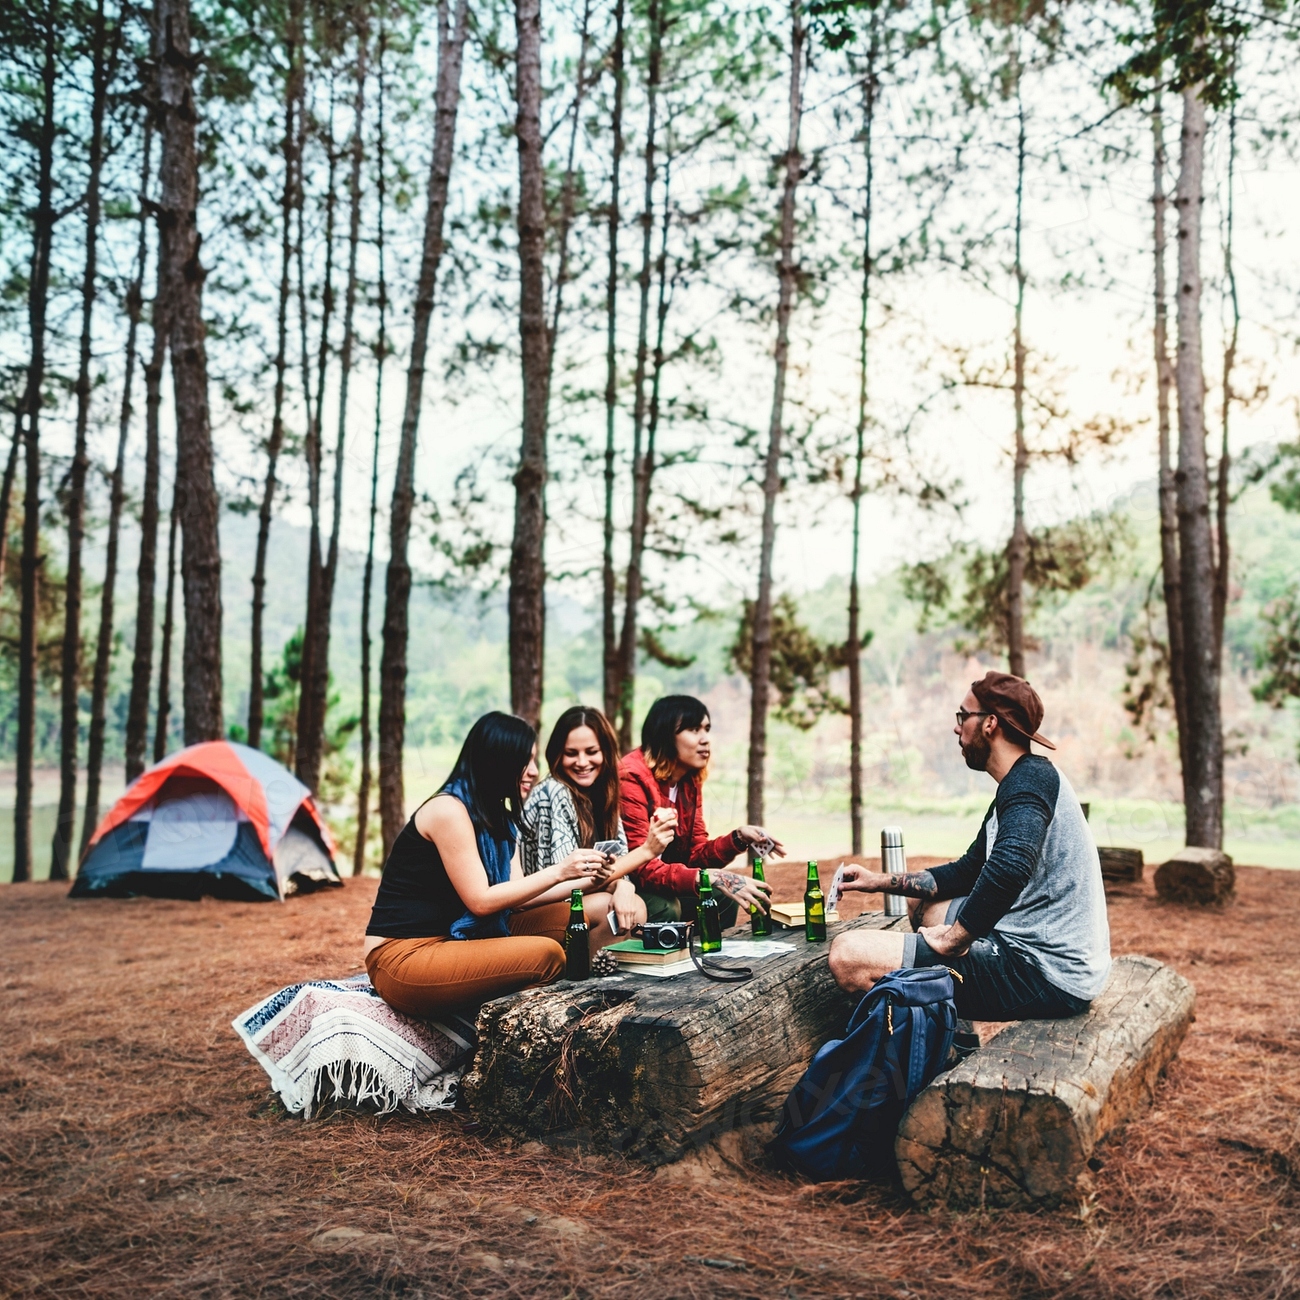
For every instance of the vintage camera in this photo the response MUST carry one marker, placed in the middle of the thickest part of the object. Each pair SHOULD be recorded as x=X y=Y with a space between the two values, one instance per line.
x=664 y=936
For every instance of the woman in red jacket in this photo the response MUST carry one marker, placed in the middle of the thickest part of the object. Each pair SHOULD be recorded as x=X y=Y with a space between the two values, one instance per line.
x=668 y=772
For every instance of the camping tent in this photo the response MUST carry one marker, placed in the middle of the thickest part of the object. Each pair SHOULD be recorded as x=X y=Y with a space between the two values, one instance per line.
x=216 y=818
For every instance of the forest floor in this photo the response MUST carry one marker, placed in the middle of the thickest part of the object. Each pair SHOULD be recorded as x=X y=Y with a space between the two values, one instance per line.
x=142 y=1153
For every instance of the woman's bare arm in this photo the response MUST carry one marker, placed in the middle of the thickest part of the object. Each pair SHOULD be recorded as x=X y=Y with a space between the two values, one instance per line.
x=445 y=821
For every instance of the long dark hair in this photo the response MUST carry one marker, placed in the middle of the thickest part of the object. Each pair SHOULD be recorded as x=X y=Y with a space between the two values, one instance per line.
x=598 y=810
x=668 y=715
x=491 y=761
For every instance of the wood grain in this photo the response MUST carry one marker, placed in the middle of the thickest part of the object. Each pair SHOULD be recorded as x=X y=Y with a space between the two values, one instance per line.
x=656 y=1068
x=1015 y=1124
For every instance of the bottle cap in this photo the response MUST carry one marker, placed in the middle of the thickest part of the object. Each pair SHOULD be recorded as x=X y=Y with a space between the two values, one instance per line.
x=891 y=837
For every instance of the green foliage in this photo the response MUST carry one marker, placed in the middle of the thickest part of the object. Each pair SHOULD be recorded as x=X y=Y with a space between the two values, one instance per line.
x=1279 y=656
x=801 y=664
x=968 y=589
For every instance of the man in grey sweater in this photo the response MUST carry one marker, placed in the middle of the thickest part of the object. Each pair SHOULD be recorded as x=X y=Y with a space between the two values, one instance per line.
x=1021 y=916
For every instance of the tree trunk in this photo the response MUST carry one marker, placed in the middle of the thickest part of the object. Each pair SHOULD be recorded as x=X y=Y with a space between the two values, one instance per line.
x=612 y=692
x=1017 y=550
x=104 y=641
x=640 y=484
x=1168 y=502
x=367 y=581
x=37 y=303
x=183 y=279
x=854 y=646
x=161 y=727
x=7 y=492
x=311 y=721
x=397 y=596
x=1203 y=778
x=275 y=443
x=75 y=505
x=314 y=699
x=527 y=596
x=137 y=714
x=761 y=651
x=1223 y=563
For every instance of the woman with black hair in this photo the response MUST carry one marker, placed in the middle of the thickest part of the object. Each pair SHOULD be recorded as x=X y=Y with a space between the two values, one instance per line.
x=577 y=807
x=442 y=934
x=668 y=771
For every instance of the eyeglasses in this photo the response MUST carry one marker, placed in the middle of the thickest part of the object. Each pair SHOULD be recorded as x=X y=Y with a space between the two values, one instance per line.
x=963 y=714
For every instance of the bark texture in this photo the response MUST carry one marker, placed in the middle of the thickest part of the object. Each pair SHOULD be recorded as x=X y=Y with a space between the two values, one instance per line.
x=290 y=195
x=104 y=641
x=761 y=650
x=609 y=594
x=1018 y=547
x=1195 y=875
x=1203 y=772
x=527 y=595
x=1014 y=1125
x=75 y=501
x=652 y=1068
x=162 y=720
x=1169 y=565
x=182 y=279
x=368 y=577
x=640 y=460
x=397 y=596
x=1120 y=866
x=33 y=391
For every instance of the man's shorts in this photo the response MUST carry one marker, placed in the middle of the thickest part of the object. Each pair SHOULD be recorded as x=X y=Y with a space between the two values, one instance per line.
x=997 y=982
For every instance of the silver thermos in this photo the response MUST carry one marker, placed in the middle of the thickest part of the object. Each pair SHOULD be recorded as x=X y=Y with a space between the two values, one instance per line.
x=893 y=860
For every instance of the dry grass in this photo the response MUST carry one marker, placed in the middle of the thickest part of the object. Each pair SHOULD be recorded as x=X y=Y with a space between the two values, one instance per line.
x=142 y=1154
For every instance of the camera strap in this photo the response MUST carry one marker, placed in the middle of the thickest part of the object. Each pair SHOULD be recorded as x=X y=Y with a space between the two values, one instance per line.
x=713 y=969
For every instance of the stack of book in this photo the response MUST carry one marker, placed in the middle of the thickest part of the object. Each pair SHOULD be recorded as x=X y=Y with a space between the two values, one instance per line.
x=630 y=952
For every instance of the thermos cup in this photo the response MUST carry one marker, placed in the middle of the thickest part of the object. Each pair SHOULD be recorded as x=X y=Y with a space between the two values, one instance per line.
x=893 y=860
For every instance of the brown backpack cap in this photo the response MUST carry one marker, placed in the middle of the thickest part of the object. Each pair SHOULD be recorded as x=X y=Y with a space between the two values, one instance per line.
x=1014 y=701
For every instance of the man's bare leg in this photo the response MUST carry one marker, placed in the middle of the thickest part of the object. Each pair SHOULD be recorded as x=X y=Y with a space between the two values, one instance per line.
x=861 y=957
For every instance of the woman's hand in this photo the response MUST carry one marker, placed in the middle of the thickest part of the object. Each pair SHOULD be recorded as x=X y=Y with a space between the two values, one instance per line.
x=663 y=827
x=625 y=908
x=757 y=835
x=581 y=864
x=744 y=890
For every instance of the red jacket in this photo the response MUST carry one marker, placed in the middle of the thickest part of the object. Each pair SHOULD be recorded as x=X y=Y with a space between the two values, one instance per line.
x=677 y=871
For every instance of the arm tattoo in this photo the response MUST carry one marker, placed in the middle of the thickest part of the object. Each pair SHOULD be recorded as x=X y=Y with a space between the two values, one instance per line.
x=916 y=884
x=729 y=880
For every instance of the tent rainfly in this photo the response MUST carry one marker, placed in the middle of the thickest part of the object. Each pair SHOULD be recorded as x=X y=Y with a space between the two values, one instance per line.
x=216 y=818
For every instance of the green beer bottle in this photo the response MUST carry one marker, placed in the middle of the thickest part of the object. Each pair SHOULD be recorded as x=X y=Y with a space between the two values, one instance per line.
x=814 y=908
x=709 y=915
x=760 y=923
x=577 y=949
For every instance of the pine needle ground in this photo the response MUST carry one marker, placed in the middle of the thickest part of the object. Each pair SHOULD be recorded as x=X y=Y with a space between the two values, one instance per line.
x=142 y=1153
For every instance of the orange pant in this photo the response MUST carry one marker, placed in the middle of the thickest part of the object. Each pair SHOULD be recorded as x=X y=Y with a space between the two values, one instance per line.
x=426 y=976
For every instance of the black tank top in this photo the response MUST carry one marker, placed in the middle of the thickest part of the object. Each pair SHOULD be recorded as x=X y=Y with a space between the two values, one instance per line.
x=416 y=898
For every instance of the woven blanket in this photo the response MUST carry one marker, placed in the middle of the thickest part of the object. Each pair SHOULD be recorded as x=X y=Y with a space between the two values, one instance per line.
x=338 y=1040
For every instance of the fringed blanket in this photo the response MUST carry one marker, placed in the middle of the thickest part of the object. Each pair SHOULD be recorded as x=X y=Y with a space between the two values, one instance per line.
x=339 y=1040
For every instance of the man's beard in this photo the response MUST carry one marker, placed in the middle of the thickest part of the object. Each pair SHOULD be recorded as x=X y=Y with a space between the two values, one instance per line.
x=977 y=753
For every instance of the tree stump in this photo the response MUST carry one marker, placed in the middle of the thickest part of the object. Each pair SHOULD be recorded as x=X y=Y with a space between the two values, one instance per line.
x=1016 y=1123
x=655 y=1068
x=1120 y=866
x=1196 y=876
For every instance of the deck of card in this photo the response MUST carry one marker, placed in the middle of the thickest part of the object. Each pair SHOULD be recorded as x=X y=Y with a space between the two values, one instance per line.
x=834 y=892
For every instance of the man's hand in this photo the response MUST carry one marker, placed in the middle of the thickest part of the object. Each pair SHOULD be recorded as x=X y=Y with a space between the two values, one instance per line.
x=624 y=902
x=948 y=940
x=862 y=879
x=744 y=890
x=756 y=835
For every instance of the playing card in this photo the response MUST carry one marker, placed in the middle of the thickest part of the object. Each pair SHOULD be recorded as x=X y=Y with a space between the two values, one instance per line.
x=836 y=889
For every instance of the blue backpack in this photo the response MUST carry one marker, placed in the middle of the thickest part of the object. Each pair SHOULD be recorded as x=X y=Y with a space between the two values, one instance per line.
x=841 y=1119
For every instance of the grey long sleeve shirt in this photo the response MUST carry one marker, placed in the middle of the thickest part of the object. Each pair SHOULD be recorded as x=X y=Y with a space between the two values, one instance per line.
x=1033 y=879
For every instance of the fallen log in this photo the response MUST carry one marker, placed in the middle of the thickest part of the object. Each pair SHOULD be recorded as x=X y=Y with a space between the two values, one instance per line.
x=1196 y=876
x=1120 y=866
x=655 y=1068
x=1016 y=1123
